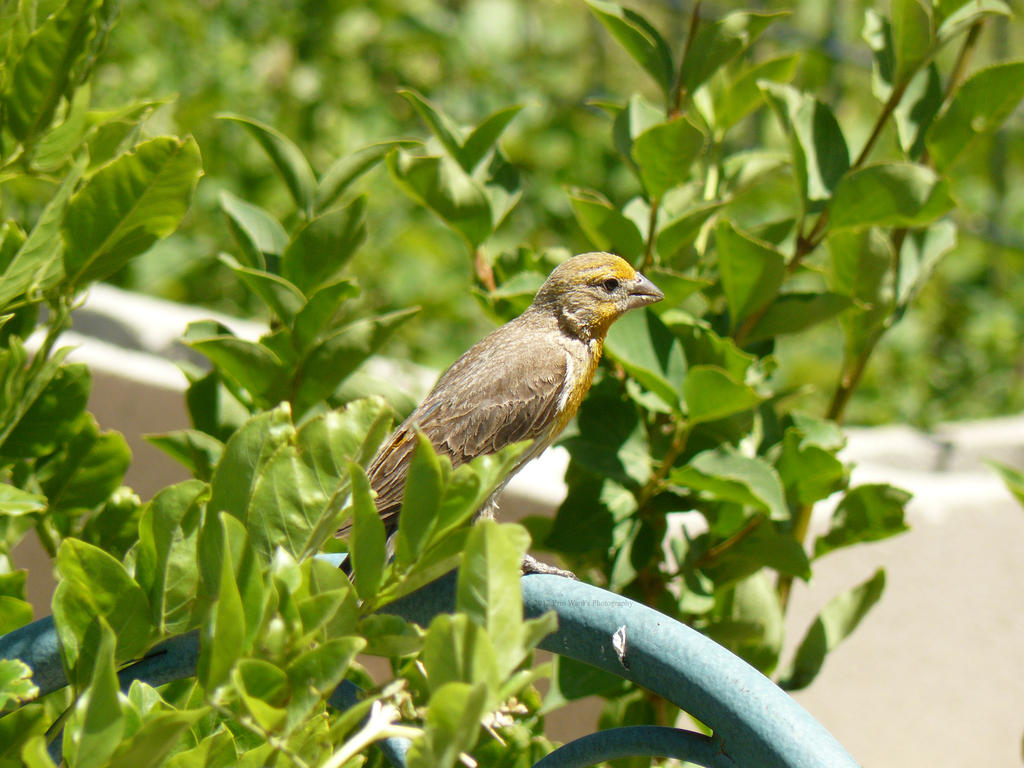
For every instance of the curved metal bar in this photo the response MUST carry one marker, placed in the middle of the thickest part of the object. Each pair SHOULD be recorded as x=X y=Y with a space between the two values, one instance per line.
x=347 y=695
x=36 y=644
x=173 y=659
x=754 y=721
x=638 y=741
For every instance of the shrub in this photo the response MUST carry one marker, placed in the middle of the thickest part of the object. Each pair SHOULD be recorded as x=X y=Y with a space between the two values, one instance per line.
x=694 y=468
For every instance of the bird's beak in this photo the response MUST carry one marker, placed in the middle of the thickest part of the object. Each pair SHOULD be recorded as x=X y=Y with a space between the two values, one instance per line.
x=643 y=292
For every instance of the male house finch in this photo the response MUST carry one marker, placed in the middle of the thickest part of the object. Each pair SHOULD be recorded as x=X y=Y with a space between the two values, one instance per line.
x=524 y=381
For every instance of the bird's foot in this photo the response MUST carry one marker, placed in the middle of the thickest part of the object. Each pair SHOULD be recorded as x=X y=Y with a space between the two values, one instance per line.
x=533 y=565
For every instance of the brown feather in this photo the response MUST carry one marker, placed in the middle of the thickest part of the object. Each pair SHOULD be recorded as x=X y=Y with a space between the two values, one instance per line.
x=524 y=381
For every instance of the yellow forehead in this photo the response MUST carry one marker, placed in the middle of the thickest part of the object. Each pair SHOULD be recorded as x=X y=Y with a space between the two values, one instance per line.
x=589 y=267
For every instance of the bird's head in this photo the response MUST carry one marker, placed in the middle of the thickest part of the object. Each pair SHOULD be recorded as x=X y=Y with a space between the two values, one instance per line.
x=590 y=291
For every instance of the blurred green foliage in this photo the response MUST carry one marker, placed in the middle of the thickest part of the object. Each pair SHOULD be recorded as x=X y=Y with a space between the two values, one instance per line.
x=327 y=74
x=781 y=176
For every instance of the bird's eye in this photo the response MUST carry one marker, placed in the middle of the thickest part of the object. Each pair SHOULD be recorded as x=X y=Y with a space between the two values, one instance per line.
x=611 y=284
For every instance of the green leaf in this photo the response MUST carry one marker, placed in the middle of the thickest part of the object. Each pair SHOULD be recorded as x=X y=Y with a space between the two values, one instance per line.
x=574 y=679
x=158 y=735
x=911 y=24
x=352 y=433
x=742 y=95
x=322 y=247
x=57 y=147
x=98 y=723
x=87 y=470
x=721 y=41
x=319 y=311
x=1013 y=478
x=94 y=584
x=711 y=393
x=165 y=559
x=764 y=547
x=650 y=353
x=368 y=542
x=488 y=588
x=287 y=502
x=917 y=109
x=702 y=346
x=256 y=232
x=640 y=40
x=725 y=475
x=676 y=287
x=52 y=417
x=287 y=158
x=444 y=129
x=22 y=734
x=612 y=439
x=451 y=725
x=485 y=136
x=833 y=625
x=38 y=264
x=605 y=226
x=751 y=271
x=859 y=262
x=809 y=472
x=889 y=195
x=680 y=232
x=457 y=649
x=421 y=497
x=340 y=176
x=866 y=513
x=223 y=634
x=341 y=352
x=15 y=502
x=440 y=184
x=817 y=144
x=964 y=14
x=281 y=297
x=755 y=602
x=128 y=205
x=470 y=485
x=263 y=689
x=251 y=365
x=197 y=451
x=388 y=635
x=245 y=457
x=921 y=253
x=665 y=152
x=634 y=119
x=16 y=684
x=984 y=101
x=440 y=558
x=43 y=72
x=314 y=674
x=796 y=312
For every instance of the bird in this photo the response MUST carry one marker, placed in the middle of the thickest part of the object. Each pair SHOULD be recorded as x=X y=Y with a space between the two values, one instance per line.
x=522 y=382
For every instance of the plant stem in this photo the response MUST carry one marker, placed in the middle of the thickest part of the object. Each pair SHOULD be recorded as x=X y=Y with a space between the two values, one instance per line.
x=675 y=450
x=962 y=59
x=652 y=225
x=678 y=93
x=715 y=552
x=483 y=270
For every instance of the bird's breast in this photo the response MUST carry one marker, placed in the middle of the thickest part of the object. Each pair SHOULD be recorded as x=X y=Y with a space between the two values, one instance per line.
x=581 y=359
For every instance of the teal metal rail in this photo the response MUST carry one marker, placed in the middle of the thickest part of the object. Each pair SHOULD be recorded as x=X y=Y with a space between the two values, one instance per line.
x=753 y=722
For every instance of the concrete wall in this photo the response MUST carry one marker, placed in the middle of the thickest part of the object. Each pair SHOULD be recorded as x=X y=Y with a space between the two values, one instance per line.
x=933 y=677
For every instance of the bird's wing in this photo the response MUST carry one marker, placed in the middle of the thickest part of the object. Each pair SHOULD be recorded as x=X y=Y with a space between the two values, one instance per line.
x=494 y=396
